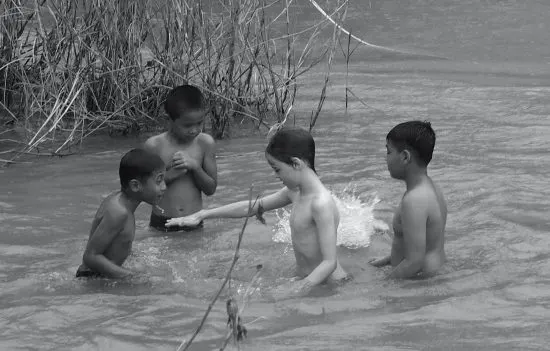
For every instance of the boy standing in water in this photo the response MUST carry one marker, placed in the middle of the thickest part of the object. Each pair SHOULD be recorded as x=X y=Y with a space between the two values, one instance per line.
x=419 y=221
x=189 y=155
x=110 y=242
x=314 y=219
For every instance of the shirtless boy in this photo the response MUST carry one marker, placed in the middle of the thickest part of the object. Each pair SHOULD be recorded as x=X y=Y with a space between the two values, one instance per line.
x=314 y=219
x=419 y=221
x=189 y=155
x=110 y=242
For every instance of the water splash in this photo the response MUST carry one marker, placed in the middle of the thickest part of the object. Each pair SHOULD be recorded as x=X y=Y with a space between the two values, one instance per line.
x=357 y=222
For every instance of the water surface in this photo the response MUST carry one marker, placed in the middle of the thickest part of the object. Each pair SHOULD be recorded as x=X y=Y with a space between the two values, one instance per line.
x=489 y=104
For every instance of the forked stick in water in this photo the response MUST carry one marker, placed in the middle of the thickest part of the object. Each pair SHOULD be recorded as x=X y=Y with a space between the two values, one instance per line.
x=238 y=330
x=186 y=343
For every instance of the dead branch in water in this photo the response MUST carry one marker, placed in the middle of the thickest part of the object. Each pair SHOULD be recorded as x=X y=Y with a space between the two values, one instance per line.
x=234 y=334
x=186 y=343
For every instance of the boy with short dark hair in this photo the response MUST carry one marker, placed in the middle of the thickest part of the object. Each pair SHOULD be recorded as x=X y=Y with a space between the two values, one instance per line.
x=189 y=155
x=419 y=221
x=113 y=228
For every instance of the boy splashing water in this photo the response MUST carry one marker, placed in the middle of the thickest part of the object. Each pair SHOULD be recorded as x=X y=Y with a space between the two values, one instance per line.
x=314 y=219
x=113 y=228
x=419 y=221
x=189 y=155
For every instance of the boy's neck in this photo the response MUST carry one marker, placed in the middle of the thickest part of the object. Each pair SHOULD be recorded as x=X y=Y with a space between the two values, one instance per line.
x=177 y=140
x=129 y=201
x=415 y=176
x=310 y=183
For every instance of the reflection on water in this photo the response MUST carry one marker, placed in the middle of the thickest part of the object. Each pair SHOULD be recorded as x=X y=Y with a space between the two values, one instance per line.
x=491 y=119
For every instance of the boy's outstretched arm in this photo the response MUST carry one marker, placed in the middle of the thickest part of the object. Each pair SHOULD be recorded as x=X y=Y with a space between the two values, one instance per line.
x=206 y=175
x=326 y=226
x=110 y=226
x=381 y=262
x=413 y=219
x=235 y=210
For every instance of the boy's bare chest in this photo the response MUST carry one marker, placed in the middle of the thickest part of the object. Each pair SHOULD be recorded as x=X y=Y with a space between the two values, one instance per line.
x=301 y=219
x=168 y=150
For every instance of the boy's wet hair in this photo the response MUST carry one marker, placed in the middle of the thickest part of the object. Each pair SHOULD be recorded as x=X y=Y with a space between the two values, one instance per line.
x=292 y=142
x=183 y=98
x=138 y=164
x=417 y=136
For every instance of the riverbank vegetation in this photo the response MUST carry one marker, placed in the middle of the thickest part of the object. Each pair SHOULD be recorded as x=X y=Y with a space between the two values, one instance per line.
x=69 y=69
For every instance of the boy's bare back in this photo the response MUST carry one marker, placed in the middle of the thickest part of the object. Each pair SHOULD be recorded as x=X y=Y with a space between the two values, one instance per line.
x=419 y=221
x=427 y=203
x=112 y=234
x=141 y=176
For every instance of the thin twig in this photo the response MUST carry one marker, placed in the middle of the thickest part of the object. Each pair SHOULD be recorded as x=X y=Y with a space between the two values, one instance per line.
x=9 y=162
x=345 y=31
x=186 y=343
x=247 y=293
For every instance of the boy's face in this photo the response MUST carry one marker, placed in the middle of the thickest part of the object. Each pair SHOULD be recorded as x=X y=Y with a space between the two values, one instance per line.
x=395 y=161
x=153 y=188
x=188 y=125
x=285 y=173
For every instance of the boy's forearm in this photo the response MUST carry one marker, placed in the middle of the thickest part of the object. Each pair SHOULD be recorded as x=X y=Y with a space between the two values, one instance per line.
x=406 y=269
x=234 y=210
x=100 y=264
x=386 y=261
x=321 y=272
x=204 y=181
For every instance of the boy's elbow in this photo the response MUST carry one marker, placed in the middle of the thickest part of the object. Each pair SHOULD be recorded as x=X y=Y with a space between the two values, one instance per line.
x=210 y=190
x=416 y=263
x=332 y=264
x=88 y=259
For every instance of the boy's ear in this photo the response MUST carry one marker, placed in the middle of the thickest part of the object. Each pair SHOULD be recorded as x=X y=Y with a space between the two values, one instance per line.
x=135 y=185
x=297 y=163
x=407 y=156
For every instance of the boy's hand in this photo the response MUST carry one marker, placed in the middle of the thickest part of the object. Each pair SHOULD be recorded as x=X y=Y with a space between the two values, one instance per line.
x=181 y=160
x=292 y=289
x=380 y=262
x=191 y=220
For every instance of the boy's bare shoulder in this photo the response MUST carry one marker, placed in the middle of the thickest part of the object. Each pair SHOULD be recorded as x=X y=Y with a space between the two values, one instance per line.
x=423 y=195
x=418 y=196
x=156 y=140
x=113 y=210
x=205 y=140
x=323 y=202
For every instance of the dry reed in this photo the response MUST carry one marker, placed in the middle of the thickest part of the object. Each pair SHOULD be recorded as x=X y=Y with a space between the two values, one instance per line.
x=69 y=69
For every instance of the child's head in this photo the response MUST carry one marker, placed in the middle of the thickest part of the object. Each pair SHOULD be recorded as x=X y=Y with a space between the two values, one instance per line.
x=290 y=149
x=411 y=141
x=186 y=107
x=142 y=175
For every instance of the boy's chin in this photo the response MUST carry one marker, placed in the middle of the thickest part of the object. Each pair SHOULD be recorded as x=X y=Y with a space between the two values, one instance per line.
x=154 y=201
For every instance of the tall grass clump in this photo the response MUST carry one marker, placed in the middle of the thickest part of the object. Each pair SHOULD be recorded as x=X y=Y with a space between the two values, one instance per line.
x=70 y=68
